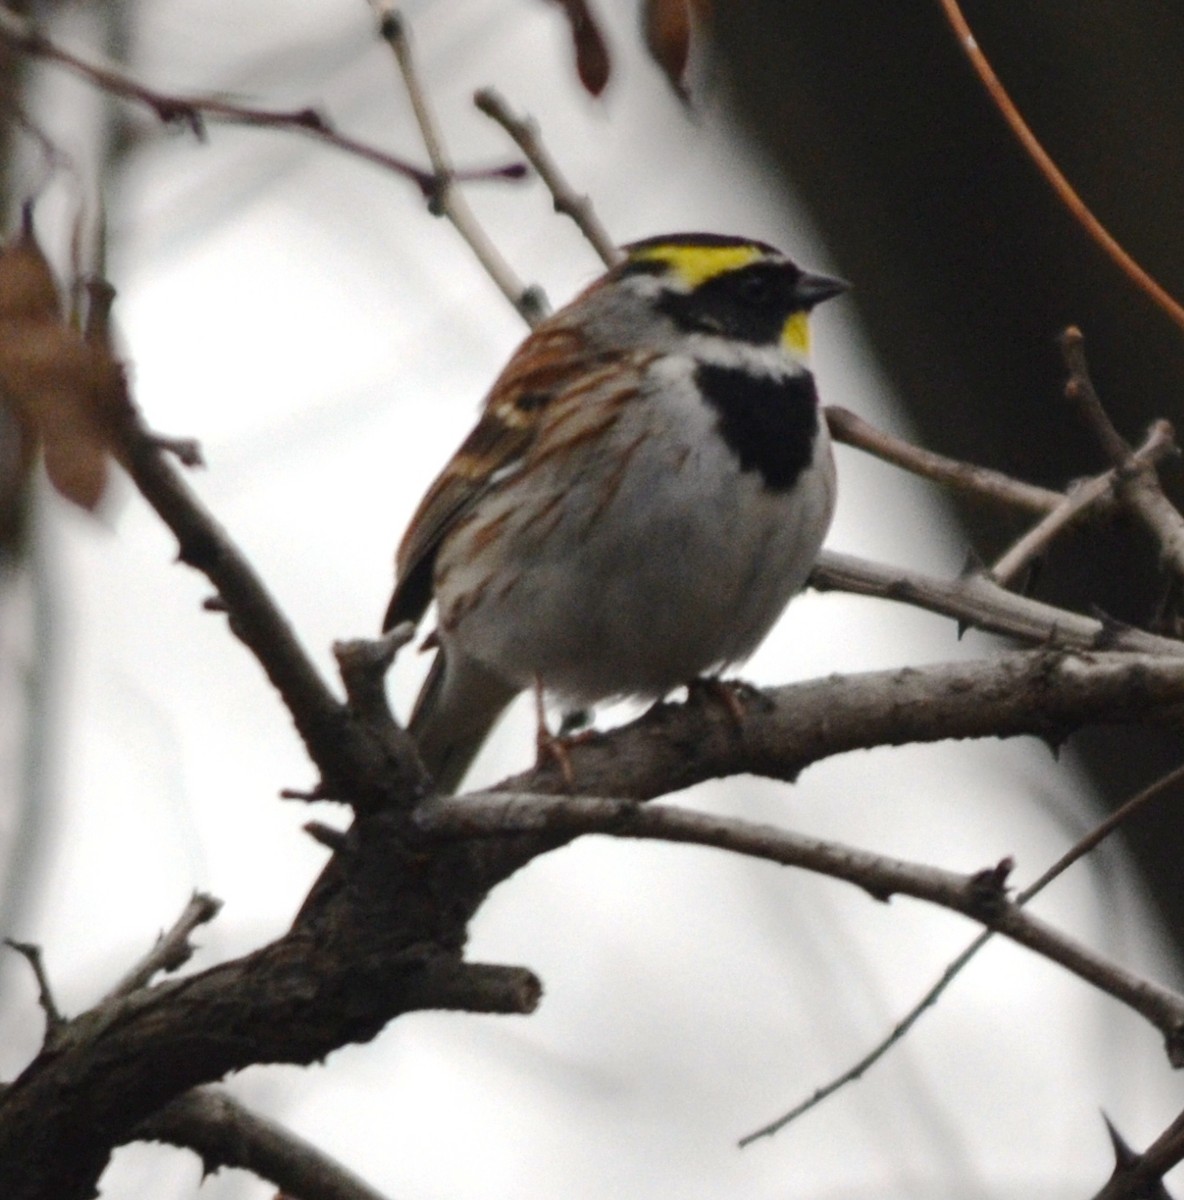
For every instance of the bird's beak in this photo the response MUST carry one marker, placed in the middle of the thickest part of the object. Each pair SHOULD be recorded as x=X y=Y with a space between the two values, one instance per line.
x=813 y=289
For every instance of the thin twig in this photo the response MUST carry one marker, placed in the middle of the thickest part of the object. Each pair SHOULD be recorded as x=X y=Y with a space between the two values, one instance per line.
x=979 y=897
x=1090 y=494
x=568 y=202
x=1078 y=851
x=32 y=954
x=1138 y=484
x=975 y=602
x=444 y=198
x=1052 y=173
x=224 y=1133
x=981 y=482
x=22 y=35
x=173 y=948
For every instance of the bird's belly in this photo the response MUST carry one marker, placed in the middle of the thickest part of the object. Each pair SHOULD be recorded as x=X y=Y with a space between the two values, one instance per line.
x=648 y=568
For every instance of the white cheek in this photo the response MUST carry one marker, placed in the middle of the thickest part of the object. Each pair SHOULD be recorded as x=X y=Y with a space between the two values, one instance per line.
x=759 y=360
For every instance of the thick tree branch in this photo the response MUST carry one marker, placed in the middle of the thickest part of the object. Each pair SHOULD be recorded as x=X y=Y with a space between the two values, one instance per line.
x=359 y=763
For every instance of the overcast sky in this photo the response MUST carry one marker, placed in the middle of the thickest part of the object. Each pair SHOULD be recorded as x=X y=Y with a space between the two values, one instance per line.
x=329 y=342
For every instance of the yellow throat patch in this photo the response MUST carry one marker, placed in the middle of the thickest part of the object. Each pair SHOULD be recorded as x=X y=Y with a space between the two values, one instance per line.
x=795 y=335
x=695 y=265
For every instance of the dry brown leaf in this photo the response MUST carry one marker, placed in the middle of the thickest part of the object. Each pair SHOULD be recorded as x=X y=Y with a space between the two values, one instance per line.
x=28 y=290
x=69 y=394
x=592 y=60
x=668 y=36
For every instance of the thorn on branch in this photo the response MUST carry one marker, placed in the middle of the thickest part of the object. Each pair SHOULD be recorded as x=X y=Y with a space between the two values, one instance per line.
x=214 y=604
x=1131 y=1175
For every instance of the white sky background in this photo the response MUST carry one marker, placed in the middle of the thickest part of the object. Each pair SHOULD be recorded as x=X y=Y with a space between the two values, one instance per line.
x=328 y=343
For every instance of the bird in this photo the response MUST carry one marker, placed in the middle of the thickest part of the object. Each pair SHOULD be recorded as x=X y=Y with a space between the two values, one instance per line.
x=648 y=484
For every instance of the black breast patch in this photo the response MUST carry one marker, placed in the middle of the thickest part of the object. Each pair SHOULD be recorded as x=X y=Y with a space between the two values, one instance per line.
x=769 y=422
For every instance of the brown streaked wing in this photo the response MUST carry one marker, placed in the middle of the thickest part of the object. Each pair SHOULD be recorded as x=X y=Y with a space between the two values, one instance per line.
x=553 y=360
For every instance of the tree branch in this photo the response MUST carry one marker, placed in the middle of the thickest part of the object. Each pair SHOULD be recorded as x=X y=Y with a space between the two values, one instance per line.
x=1047 y=694
x=364 y=766
x=981 y=896
x=1138 y=484
x=1076 y=852
x=1052 y=173
x=445 y=199
x=975 y=602
x=22 y=35
x=224 y=1133
x=173 y=949
x=968 y=478
x=567 y=201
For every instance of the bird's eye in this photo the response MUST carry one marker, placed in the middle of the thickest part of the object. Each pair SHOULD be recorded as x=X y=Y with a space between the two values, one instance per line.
x=755 y=289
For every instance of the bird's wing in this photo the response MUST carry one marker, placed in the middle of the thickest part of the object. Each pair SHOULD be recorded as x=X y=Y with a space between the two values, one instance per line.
x=550 y=372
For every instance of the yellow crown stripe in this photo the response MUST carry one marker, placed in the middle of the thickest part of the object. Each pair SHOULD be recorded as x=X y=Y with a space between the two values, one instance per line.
x=697 y=264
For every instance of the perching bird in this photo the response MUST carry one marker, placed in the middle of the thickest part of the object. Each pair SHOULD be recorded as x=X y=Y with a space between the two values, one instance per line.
x=648 y=484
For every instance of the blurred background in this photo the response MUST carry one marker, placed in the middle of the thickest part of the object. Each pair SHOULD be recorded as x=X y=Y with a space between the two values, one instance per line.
x=328 y=342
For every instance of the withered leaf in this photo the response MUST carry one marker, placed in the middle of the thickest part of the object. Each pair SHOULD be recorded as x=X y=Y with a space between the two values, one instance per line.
x=70 y=395
x=28 y=290
x=592 y=59
x=669 y=26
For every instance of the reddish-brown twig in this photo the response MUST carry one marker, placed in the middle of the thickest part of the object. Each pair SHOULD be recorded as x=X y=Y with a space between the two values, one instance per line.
x=193 y=112
x=1052 y=173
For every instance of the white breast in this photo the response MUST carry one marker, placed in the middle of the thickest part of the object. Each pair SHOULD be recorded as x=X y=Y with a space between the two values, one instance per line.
x=640 y=561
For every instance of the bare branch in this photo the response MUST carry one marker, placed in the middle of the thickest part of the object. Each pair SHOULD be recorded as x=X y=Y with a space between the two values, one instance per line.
x=173 y=948
x=1059 y=510
x=364 y=664
x=224 y=1133
x=967 y=478
x=980 y=896
x=1080 y=500
x=54 y=1021
x=22 y=35
x=1047 y=694
x=975 y=602
x=1138 y=484
x=364 y=766
x=445 y=199
x=1078 y=851
x=568 y=202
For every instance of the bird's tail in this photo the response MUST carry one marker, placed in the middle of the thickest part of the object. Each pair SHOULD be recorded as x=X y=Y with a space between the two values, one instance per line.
x=458 y=706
